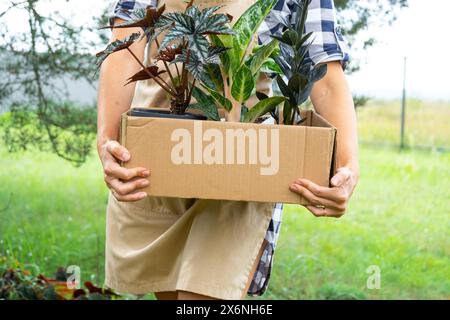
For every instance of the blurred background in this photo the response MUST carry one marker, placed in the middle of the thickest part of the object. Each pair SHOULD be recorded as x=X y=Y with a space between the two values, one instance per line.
x=53 y=199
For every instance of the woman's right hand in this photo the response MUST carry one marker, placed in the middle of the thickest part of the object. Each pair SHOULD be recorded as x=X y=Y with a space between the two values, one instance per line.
x=124 y=183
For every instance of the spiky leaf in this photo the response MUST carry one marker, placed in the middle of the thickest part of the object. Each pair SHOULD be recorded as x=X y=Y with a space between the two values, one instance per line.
x=193 y=27
x=195 y=64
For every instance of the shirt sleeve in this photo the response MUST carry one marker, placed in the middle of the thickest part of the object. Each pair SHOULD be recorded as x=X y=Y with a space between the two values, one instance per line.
x=327 y=41
x=123 y=9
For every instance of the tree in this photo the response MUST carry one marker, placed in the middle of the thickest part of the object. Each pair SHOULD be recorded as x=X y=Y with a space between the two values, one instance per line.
x=35 y=63
x=355 y=17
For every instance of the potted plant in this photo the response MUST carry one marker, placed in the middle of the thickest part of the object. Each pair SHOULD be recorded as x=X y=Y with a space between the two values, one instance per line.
x=210 y=52
x=186 y=44
x=236 y=159
x=300 y=73
x=233 y=82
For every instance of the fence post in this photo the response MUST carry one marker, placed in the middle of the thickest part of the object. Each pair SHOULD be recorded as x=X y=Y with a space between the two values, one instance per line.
x=402 y=125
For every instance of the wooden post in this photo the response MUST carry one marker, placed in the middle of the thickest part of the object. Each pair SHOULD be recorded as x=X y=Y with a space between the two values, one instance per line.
x=402 y=125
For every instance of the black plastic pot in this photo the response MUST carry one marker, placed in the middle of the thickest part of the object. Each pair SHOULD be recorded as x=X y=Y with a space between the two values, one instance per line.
x=154 y=113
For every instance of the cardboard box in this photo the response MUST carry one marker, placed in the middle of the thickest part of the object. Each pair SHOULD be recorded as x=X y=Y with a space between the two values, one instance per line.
x=206 y=159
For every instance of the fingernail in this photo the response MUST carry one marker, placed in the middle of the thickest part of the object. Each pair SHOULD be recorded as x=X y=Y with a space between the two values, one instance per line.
x=145 y=183
x=142 y=195
x=295 y=187
x=146 y=173
x=126 y=156
x=335 y=182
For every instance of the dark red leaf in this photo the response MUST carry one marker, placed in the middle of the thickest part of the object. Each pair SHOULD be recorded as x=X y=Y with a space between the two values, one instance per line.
x=151 y=16
x=115 y=46
x=94 y=289
x=78 y=293
x=169 y=53
x=189 y=4
x=144 y=74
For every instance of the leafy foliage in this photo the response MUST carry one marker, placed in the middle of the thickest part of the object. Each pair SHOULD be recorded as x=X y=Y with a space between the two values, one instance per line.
x=16 y=284
x=185 y=43
x=197 y=65
x=239 y=69
x=38 y=63
x=53 y=51
x=68 y=130
x=300 y=72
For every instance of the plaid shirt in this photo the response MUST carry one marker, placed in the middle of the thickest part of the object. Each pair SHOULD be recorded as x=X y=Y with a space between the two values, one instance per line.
x=327 y=45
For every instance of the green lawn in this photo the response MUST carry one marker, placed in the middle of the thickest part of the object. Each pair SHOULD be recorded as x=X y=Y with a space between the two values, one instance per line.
x=426 y=123
x=52 y=214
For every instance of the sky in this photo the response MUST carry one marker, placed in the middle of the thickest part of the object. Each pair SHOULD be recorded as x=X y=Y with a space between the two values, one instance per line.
x=421 y=33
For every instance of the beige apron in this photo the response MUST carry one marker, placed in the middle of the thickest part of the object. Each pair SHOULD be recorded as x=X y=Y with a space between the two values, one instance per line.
x=167 y=244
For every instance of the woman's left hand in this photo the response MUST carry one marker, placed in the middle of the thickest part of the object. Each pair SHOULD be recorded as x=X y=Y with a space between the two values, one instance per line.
x=328 y=202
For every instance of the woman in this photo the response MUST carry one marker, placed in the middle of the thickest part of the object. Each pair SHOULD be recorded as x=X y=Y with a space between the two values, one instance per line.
x=203 y=249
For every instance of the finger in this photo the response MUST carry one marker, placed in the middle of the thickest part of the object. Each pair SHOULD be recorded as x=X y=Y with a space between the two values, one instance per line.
x=126 y=188
x=313 y=199
x=324 y=212
x=336 y=195
x=113 y=169
x=118 y=151
x=341 y=177
x=130 y=197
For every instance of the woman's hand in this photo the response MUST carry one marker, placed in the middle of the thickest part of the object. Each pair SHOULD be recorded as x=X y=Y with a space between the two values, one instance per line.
x=124 y=183
x=328 y=202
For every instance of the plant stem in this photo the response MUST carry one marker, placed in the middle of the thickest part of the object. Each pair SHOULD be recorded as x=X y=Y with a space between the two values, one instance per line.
x=188 y=101
x=162 y=85
x=166 y=66
x=178 y=71
x=184 y=75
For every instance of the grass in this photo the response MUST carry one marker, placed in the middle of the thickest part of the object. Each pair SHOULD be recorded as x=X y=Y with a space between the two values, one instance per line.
x=426 y=123
x=52 y=214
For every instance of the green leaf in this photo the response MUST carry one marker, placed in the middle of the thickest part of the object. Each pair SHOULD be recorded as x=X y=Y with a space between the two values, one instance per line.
x=261 y=95
x=244 y=111
x=211 y=78
x=270 y=66
x=209 y=111
x=246 y=27
x=225 y=56
x=295 y=82
x=243 y=84
x=285 y=90
x=205 y=104
x=261 y=55
x=263 y=107
x=221 y=100
x=198 y=66
x=304 y=95
x=193 y=26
